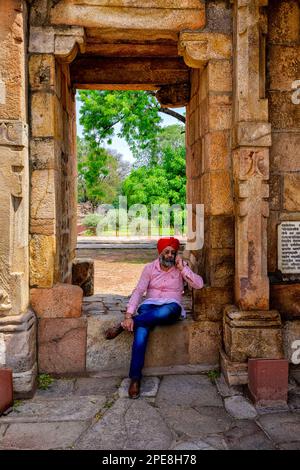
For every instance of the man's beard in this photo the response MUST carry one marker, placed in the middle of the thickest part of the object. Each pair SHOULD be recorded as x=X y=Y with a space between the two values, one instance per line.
x=167 y=262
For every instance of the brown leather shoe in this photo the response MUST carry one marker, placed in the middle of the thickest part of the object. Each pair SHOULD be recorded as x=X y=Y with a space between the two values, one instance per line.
x=113 y=332
x=134 y=388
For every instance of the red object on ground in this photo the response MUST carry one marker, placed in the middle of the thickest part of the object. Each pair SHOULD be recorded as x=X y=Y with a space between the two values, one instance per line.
x=268 y=381
x=6 y=389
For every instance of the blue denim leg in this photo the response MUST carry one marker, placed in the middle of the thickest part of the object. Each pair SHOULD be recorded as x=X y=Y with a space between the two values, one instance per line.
x=149 y=316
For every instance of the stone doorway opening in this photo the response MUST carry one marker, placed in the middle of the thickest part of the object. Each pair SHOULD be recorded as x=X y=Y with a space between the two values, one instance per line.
x=184 y=67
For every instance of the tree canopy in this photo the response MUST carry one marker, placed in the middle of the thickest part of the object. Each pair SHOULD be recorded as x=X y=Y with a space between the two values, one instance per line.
x=138 y=114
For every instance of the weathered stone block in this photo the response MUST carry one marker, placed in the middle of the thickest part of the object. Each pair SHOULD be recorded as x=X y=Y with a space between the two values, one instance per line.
x=275 y=183
x=168 y=346
x=43 y=114
x=218 y=197
x=284 y=66
x=61 y=301
x=291 y=341
x=220 y=267
x=62 y=345
x=43 y=194
x=219 y=112
x=221 y=231
x=204 y=342
x=284 y=114
x=284 y=21
x=42 y=256
x=44 y=154
x=286 y=299
x=208 y=302
x=217 y=151
x=235 y=373
x=83 y=275
x=42 y=72
x=6 y=388
x=291 y=192
x=252 y=334
x=21 y=349
x=284 y=154
x=220 y=76
x=268 y=381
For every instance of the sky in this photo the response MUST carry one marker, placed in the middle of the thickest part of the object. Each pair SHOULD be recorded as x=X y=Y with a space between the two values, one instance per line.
x=120 y=144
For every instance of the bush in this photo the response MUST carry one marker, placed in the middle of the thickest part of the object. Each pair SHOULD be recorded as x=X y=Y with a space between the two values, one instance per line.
x=91 y=220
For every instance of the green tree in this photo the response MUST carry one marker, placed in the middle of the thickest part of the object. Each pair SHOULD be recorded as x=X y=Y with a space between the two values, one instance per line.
x=164 y=182
x=136 y=112
x=100 y=173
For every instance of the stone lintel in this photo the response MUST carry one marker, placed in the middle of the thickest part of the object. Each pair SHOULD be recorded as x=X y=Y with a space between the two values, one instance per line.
x=13 y=133
x=162 y=15
x=247 y=134
x=198 y=48
x=63 y=42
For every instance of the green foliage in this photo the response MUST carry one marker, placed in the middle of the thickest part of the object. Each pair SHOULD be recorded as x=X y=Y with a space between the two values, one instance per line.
x=213 y=374
x=44 y=381
x=100 y=173
x=91 y=220
x=136 y=112
x=16 y=405
x=163 y=182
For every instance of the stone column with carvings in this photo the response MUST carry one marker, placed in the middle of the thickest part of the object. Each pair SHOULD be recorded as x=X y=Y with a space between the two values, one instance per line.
x=17 y=321
x=250 y=329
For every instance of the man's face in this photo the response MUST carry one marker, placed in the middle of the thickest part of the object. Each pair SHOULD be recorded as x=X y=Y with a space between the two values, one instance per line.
x=167 y=256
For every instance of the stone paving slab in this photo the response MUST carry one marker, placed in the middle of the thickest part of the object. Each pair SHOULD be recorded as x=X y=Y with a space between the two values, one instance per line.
x=196 y=422
x=240 y=408
x=149 y=387
x=188 y=390
x=187 y=413
x=247 y=435
x=96 y=386
x=42 y=436
x=60 y=409
x=129 y=424
x=226 y=391
x=58 y=388
x=281 y=427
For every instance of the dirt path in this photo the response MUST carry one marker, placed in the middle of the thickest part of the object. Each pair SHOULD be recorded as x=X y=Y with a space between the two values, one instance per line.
x=117 y=271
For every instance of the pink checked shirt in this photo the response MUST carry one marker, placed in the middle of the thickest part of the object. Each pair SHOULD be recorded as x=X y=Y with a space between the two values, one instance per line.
x=162 y=286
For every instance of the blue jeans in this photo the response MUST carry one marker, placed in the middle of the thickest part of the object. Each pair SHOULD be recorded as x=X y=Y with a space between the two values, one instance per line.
x=149 y=315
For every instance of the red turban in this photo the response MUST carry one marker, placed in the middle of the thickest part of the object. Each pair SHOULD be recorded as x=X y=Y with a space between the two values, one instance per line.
x=164 y=242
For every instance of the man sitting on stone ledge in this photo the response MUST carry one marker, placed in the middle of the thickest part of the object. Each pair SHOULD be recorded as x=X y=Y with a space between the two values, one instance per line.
x=163 y=280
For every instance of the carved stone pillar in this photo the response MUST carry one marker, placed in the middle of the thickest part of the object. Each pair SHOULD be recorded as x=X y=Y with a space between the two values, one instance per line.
x=251 y=139
x=17 y=322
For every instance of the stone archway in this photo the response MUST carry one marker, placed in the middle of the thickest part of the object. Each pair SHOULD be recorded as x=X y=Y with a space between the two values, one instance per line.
x=221 y=46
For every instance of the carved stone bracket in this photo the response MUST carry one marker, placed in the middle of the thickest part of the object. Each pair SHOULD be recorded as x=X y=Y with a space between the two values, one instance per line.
x=13 y=133
x=198 y=48
x=63 y=42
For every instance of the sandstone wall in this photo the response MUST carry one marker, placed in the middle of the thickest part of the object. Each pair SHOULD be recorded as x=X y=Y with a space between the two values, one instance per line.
x=53 y=171
x=283 y=69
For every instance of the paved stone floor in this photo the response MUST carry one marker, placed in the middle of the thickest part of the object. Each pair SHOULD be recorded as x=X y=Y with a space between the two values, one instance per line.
x=180 y=412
